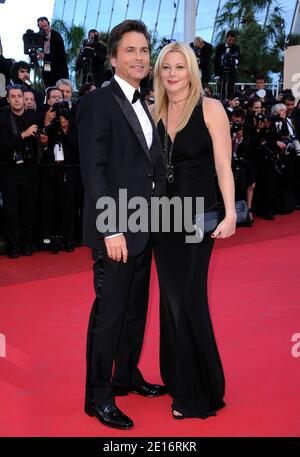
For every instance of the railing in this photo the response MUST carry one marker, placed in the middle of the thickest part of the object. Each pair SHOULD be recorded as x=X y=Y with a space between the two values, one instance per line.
x=274 y=87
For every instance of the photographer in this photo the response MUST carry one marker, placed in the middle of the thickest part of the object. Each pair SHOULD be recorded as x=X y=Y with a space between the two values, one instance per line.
x=227 y=59
x=54 y=55
x=19 y=152
x=290 y=154
x=262 y=93
x=90 y=61
x=60 y=177
x=203 y=51
x=240 y=151
x=262 y=164
x=20 y=74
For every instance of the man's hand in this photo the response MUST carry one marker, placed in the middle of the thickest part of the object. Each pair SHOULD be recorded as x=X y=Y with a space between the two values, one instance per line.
x=50 y=116
x=116 y=248
x=281 y=145
x=31 y=131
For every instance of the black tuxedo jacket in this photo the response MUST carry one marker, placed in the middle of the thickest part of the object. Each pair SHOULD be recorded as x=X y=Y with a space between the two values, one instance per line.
x=114 y=155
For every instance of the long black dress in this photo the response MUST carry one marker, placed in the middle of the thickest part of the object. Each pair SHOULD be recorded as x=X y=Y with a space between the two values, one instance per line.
x=190 y=364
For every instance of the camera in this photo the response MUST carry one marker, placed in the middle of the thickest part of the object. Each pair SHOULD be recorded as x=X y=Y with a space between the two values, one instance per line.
x=229 y=61
x=62 y=109
x=33 y=44
x=236 y=127
x=33 y=41
x=293 y=145
x=27 y=154
x=271 y=156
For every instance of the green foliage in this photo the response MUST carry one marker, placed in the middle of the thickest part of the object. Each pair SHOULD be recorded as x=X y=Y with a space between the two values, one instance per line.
x=261 y=37
x=72 y=36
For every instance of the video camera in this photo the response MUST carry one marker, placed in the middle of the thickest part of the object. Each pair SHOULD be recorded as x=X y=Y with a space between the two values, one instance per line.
x=229 y=61
x=88 y=47
x=33 y=44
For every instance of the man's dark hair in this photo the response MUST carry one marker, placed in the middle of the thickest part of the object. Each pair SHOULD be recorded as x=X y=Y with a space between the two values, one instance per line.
x=12 y=87
x=238 y=112
x=253 y=100
x=234 y=95
x=42 y=18
x=231 y=33
x=92 y=31
x=288 y=97
x=118 y=31
x=260 y=78
x=18 y=66
x=51 y=89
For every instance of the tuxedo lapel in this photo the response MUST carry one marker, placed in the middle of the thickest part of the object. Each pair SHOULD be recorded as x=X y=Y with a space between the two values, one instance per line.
x=130 y=115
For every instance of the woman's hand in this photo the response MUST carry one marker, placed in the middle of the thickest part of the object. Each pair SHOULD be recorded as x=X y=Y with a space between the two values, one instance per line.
x=225 y=228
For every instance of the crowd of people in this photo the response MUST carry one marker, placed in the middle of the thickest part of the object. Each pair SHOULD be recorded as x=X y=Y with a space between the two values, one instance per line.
x=40 y=182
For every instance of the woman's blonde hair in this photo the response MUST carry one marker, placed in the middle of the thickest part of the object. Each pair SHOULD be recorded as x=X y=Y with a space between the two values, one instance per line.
x=196 y=92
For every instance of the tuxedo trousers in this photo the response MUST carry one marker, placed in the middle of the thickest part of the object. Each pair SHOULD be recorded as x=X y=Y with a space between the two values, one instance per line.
x=117 y=324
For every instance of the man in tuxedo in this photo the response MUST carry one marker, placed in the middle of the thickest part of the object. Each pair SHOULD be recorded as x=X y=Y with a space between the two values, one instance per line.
x=227 y=58
x=54 y=55
x=119 y=149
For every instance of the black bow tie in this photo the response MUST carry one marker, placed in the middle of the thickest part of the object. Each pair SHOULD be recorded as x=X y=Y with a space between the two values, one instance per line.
x=137 y=95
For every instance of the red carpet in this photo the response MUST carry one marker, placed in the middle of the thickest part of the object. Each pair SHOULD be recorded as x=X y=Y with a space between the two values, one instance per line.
x=254 y=295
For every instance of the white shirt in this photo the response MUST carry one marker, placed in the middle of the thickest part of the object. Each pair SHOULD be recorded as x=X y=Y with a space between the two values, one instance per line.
x=144 y=120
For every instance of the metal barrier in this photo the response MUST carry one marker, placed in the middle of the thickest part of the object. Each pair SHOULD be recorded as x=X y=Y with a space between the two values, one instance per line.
x=274 y=87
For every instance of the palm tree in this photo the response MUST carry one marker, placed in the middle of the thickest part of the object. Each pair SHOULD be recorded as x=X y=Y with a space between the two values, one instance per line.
x=73 y=36
x=262 y=43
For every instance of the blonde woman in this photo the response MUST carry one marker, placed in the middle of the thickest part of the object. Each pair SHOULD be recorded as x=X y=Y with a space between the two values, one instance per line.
x=195 y=136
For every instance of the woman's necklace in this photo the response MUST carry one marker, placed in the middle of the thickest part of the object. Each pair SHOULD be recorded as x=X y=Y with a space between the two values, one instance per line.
x=168 y=154
x=174 y=102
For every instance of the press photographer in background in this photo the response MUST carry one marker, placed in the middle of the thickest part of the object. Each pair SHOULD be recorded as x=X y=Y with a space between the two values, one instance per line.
x=240 y=151
x=20 y=155
x=260 y=91
x=227 y=59
x=289 y=145
x=263 y=164
x=54 y=55
x=60 y=175
x=203 y=52
x=20 y=74
x=91 y=59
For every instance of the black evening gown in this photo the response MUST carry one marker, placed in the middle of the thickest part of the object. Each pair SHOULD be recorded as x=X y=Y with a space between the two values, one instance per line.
x=190 y=364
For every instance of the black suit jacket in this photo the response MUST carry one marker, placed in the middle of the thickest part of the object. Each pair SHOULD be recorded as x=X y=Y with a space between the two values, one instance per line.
x=58 y=59
x=114 y=155
x=11 y=142
x=220 y=51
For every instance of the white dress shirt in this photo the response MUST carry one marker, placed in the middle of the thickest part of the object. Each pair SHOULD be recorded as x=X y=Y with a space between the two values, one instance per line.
x=144 y=120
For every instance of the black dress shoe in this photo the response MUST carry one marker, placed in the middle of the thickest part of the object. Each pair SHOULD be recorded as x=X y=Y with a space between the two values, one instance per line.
x=109 y=415
x=146 y=389
x=27 y=250
x=69 y=246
